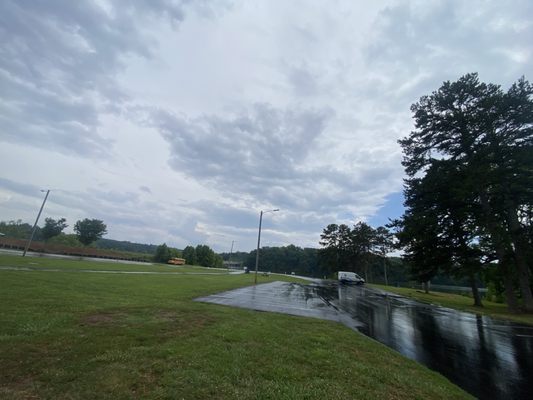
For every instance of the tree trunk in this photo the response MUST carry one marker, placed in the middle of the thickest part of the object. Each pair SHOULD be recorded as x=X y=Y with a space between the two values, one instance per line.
x=426 y=287
x=491 y=225
x=475 y=291
x=510 y=297
x=385 y=271
x=520 y=258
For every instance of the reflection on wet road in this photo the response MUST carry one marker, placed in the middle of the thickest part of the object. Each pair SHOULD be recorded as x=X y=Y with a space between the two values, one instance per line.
x=486 y=357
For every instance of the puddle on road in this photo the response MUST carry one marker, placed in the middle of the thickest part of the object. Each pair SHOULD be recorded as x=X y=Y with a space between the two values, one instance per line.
x=285 y=298
x=488 y=358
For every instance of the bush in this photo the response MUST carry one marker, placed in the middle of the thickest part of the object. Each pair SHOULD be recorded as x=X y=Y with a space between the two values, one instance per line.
x=493 y=294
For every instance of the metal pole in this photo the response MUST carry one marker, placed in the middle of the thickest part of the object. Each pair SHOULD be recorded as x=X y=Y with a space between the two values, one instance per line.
x=35 y=225
x=258 y=243
x=230 y=253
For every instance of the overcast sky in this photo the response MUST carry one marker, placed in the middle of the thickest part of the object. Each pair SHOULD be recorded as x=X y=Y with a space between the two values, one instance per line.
x=178 y=121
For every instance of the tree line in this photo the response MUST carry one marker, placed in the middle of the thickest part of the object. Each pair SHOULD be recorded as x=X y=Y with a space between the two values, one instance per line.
x=318 y=262
x=86 y=231
x=90 y=231
x=358 y=249
x=201 y=255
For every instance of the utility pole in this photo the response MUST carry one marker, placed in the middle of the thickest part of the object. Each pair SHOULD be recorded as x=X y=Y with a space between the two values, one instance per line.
x=35 y=225
x=230 y=253
x=259 y=241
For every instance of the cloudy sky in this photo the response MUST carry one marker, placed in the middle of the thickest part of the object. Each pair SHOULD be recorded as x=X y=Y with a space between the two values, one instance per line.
x=178 y=121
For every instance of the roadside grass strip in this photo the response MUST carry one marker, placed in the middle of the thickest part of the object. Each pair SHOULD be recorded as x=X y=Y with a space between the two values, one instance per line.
x=458 y=302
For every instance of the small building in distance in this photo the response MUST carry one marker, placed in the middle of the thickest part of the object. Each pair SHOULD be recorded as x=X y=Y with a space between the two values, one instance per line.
x=233 y=264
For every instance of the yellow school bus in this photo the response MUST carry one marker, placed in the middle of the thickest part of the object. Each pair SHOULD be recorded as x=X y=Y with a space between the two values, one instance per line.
x=177 y=261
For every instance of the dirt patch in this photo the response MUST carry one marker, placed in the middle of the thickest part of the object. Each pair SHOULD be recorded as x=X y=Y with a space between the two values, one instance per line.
x=21 y=389
x=166 y=315
x=183 y=325
x=166 y=321
x=102 y=318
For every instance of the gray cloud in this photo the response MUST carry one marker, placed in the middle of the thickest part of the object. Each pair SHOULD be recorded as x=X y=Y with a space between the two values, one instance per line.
x=303 y=81
x=58 y=64
x=273 y=157
x=19 y=187
x=423 y=43
x=260 y=153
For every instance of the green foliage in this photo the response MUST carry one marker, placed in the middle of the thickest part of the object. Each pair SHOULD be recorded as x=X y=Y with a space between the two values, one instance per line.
x=19 y=230
x=286 y=260
x=89 y=230
x=189 y=253
x=219 y=261
x=122 y=245
x=355 y=249
x=175 y=253
x=205 y=256
x=162 y=254
x=493 y=294
x=438 y=231
x=69 y=240
x=53 y=228
x=470 y=186
x=236 y=256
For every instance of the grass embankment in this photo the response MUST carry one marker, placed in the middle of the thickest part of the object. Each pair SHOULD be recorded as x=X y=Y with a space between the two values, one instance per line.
x=67 y=265
x=115 y=336
x=458 y=302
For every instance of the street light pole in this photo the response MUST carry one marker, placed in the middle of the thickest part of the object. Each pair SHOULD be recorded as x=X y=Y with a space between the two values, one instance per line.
x=259 y=241
x=35 y=225
x=230 y=253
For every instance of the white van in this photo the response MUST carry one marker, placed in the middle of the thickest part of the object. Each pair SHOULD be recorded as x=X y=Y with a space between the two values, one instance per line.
x=350 y=277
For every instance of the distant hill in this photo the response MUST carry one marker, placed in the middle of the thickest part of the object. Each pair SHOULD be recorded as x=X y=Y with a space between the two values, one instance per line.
x=123 y=245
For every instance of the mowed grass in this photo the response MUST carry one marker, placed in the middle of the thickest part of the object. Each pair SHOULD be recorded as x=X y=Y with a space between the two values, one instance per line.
x=458 y=302
x=45 y=262
x=72 y=335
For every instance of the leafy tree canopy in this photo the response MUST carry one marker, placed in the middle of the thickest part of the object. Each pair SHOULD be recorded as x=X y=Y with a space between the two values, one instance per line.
x=53 y=227
x=18 y=230
x=89 y=230
x=162 y=253
x=189 y=253
x=470 y=167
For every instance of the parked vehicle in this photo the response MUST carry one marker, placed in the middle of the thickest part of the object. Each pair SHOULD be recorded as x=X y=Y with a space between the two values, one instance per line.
x=177 y=261
x=350 y=278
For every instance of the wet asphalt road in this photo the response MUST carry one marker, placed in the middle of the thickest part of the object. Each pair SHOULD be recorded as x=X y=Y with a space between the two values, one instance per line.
x=489 y=358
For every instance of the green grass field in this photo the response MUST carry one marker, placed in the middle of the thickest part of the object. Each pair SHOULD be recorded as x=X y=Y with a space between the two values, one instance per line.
x=72 y=335
x=69 y=265
x=459 y=302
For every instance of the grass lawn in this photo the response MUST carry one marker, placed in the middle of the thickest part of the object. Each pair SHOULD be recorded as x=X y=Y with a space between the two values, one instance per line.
x=68 y=265
x=72 y=335
x=459 y=302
